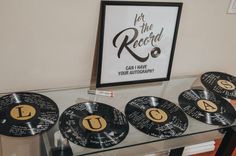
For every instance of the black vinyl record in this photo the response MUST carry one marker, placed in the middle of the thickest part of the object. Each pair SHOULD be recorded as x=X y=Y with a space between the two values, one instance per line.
x=93 y=125
x=207 y=107
x=220 y=83
x=156 y=116
x=26 y=114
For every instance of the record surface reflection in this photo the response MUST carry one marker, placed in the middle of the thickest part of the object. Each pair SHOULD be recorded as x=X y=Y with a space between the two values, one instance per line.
x=207 y=107
x=26 y=114
x=156 y=116
x=220 y=83
x=93 y=125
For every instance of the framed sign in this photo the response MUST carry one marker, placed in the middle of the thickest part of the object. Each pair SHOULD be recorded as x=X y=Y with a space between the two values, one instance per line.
x=137 y=42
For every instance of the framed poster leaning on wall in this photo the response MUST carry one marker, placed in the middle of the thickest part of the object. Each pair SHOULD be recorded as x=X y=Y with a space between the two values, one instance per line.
x=137 y=42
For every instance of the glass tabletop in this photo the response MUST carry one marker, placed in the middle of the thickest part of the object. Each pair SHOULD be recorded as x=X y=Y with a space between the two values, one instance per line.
x=169 y=90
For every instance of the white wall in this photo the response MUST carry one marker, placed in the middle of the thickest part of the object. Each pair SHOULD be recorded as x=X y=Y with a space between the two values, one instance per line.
x=20 y=146
x=207 y=38
x=50 y=43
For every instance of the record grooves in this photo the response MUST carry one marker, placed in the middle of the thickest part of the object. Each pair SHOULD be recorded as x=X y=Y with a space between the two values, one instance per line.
x=220 y=83
x=156 y=116
x=93 y=125
x=207 y=107
x=26 y=114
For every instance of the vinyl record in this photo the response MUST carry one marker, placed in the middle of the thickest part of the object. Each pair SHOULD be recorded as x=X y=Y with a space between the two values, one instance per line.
x=26 y=114
x=207 y=107
x=93 y=125
x=220 y=83
x=156 y=116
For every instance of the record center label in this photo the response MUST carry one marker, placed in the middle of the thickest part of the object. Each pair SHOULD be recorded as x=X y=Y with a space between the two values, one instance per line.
x=226 y=84
x=207 y=106
x=23 y=112
x=156 y=115
x=94 y=123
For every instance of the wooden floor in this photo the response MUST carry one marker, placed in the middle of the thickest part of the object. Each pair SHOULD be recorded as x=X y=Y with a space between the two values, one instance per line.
x=233 y=102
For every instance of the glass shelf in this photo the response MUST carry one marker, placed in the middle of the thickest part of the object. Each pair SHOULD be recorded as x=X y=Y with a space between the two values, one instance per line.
x=170 y=90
